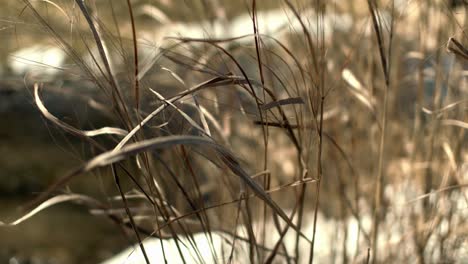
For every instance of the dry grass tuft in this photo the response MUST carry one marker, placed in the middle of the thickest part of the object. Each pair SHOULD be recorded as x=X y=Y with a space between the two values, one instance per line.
x=322 y=114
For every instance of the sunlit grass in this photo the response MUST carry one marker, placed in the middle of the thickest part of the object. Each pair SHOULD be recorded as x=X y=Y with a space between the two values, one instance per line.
x=223 y=116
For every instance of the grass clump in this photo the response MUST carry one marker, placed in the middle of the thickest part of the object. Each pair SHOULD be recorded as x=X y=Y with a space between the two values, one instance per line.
x=317 y=115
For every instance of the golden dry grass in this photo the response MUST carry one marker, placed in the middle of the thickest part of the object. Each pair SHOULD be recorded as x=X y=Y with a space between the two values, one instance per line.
x=353 y=121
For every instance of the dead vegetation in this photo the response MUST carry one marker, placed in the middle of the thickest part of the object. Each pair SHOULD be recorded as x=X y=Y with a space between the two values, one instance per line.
x=209 y=132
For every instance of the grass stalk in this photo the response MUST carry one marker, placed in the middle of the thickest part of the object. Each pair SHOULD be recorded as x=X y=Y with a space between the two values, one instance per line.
x=386 y=66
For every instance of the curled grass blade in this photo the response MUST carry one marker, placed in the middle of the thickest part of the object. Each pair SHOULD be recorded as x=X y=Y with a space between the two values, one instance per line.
x=69 y=128
x=453 y=122
x=160 y=143
x=48 y=203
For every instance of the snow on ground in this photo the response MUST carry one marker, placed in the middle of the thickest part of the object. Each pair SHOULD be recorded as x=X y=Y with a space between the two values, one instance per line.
x=38 y=61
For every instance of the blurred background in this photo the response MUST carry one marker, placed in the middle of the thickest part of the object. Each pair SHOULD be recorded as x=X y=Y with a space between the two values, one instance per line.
x=426 y=144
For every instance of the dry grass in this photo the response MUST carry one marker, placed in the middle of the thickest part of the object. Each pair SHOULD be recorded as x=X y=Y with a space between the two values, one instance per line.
x=365 y=122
